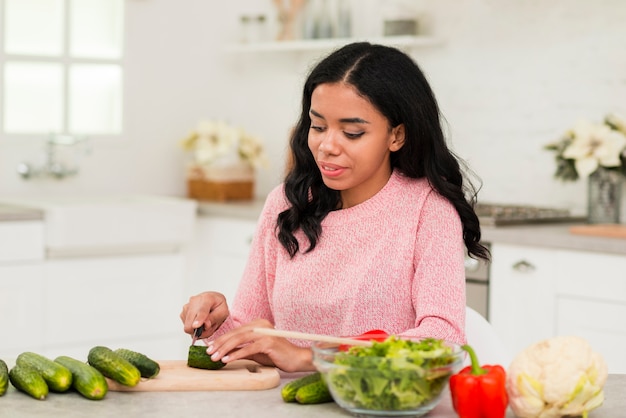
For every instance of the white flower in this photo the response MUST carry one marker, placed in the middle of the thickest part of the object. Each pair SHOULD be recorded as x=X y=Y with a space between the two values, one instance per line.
x=594 y=145
x=219 y=143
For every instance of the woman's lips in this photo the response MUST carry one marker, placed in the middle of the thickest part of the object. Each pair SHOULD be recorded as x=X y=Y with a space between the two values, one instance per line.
x=331 y=170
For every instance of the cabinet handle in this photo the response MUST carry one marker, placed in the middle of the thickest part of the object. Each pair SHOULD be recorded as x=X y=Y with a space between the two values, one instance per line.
x=523 y=266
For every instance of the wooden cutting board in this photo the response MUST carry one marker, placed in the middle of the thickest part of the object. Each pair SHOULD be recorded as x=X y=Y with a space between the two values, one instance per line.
x=600 y=230
x=175 y=375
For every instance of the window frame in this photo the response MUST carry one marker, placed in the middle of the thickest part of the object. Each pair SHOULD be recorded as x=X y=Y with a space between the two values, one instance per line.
x=66 y=61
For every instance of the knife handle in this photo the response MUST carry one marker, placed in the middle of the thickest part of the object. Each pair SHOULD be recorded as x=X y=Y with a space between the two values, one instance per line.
x=198 y=331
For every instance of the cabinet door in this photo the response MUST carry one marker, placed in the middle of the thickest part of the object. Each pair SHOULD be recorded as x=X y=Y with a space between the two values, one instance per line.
x=591 y=302
x=521 y=305
x=219 y=255
x=601 y=323
x=21 y=308
x=21 y=241
x=113 y=300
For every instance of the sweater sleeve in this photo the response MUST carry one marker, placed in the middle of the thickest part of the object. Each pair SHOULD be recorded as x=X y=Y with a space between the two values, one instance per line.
x=438 y=290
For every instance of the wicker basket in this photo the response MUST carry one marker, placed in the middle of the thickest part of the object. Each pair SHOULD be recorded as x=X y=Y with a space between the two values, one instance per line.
x=220 y=184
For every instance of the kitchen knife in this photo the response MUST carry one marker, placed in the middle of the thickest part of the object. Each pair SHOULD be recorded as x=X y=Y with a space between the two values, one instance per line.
x=196 y=334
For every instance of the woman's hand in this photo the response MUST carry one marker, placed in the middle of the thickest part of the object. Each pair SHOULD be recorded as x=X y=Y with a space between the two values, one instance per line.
x=244 y=343
x=208 y=309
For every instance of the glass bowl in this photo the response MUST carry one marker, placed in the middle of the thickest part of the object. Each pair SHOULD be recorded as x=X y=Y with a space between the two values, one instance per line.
x=406 y=379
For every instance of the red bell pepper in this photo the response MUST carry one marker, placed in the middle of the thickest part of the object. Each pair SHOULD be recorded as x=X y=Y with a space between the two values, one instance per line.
x=479 y=392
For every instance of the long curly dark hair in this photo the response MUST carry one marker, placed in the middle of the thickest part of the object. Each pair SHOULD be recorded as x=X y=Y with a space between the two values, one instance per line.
x=396 y=86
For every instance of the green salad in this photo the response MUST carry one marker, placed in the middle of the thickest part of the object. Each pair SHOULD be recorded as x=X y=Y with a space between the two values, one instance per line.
x=392 y=375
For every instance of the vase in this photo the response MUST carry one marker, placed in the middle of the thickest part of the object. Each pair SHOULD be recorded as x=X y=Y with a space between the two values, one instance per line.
x=604 y=196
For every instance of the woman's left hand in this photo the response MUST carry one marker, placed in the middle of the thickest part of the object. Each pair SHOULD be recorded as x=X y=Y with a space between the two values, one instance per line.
x=244 y=343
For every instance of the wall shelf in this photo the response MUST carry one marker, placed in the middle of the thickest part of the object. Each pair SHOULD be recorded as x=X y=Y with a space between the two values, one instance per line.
x=403 y=42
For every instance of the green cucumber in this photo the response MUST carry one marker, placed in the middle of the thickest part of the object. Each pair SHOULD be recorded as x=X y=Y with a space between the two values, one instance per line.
x=147 y=367
x=4 y=377
x=114 y=366
x=28 y=380
x=316 y=392
x=87 y=380
x=199 y=359
x=57 y=376
x=288 y=392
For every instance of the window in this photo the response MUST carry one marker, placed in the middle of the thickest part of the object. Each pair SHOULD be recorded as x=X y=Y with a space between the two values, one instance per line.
x=61 y=66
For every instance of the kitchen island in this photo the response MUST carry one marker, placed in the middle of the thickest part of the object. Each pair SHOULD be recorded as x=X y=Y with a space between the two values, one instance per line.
x=258 y=404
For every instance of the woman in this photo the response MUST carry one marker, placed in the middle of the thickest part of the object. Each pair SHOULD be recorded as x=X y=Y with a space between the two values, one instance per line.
x=369 y=229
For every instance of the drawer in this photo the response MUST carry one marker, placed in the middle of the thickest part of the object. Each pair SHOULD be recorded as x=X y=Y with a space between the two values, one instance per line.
x=600 y=323
x=21 y=241
x=592 y=275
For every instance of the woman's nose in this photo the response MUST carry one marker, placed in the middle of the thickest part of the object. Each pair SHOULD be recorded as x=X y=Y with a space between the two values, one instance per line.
x=328 y=144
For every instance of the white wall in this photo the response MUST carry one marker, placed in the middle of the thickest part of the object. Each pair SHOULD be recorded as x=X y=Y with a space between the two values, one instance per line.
x=511 y=76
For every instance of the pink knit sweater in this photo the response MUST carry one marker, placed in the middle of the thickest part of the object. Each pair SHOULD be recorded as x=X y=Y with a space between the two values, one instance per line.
x=394 y=262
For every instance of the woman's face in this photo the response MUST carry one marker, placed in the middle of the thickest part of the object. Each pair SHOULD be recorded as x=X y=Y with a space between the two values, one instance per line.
x=351 y=142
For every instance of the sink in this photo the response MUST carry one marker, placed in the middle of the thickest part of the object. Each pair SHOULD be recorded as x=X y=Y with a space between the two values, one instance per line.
x=112 y=224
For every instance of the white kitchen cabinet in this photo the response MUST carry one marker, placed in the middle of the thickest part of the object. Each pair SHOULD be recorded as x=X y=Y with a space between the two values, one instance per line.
x=117 y=302
x=219 y=254
x=521 y=294
x=21 y=241
x=591 y=302
x=22 y=313
x=538 y=293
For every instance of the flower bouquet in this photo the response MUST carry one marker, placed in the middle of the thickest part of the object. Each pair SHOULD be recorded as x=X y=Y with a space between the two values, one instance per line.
x=596 y=151
x=588 y=146
x=223 y=160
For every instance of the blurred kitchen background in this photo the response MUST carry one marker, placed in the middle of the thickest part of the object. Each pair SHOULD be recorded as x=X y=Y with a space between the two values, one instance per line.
x=98 y=95
x=510 y=77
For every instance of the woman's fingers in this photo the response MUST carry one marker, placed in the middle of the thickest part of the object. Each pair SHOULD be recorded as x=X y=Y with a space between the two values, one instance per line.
x=208 y=309
x=242 y=338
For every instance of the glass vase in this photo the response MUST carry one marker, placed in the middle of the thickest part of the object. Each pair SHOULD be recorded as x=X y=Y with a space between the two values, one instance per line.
x=604 y=196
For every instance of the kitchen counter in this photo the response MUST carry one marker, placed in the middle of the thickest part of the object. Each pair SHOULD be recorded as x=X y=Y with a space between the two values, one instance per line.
x=17 y=213
x=552 y=236
x=555 y=235
x=244 y=209
x=259 y=404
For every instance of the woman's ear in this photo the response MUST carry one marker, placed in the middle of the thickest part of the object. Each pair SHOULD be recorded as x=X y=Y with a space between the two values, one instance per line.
x=397 y=138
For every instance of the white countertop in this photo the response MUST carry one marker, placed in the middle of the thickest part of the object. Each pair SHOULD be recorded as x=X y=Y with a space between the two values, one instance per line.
x=18 y=213
x=538 y=235
x=555 y=236
x=259 y=404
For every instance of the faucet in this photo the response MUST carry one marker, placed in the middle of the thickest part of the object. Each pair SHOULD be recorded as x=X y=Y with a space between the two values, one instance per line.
x=52 y=167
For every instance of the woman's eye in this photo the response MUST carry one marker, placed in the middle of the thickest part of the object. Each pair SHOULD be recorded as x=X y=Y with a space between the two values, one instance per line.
x=350 y=135
x=317 y=128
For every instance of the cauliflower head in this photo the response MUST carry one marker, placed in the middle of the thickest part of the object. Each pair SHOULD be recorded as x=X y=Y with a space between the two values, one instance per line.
x=560 y=376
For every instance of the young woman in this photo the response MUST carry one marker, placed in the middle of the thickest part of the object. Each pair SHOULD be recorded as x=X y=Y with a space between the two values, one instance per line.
x=369 y=229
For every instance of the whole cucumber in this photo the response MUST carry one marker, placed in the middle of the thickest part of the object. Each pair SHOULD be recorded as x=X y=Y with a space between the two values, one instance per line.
x=4 y=377
x=28 y=380
x=57 y=376
x=316 y=392
x=288 y=392
x=147 y=367
x=113 y=366
x=87 y=380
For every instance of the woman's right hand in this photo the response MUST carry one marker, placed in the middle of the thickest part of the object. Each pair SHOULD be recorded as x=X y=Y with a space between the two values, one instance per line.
x=208 y=309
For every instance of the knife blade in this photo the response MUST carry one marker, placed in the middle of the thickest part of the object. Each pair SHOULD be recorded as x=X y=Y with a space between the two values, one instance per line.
x=197 y=333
